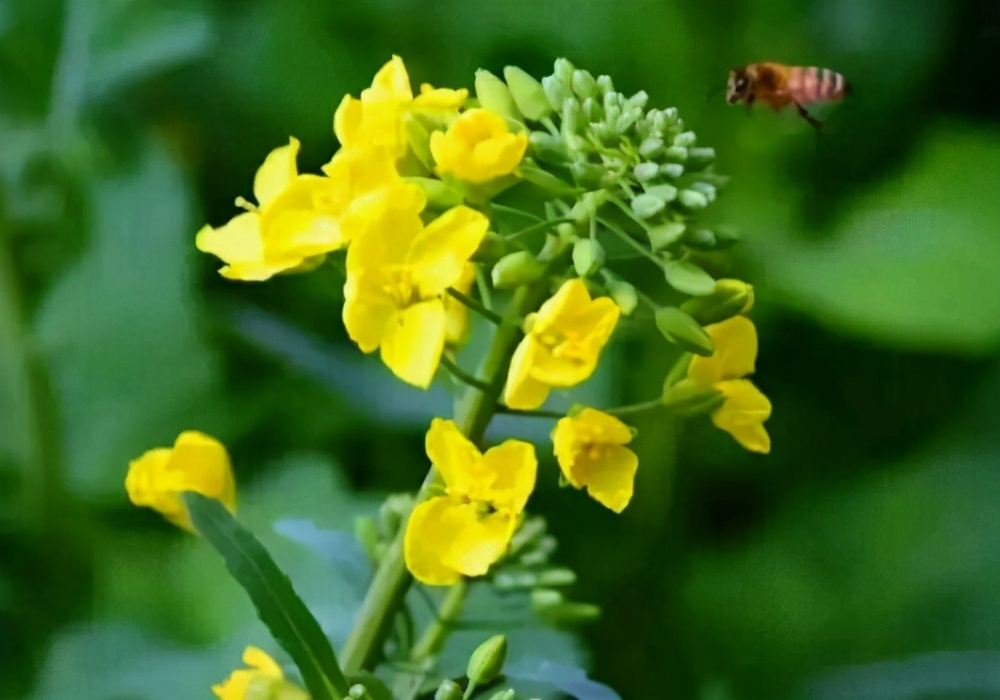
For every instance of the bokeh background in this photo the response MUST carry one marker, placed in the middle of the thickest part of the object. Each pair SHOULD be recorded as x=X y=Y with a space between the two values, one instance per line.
x=860 y=559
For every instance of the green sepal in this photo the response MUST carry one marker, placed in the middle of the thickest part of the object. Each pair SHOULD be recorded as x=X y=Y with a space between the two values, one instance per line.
x=679 y=328
x=527 y=93
x=494 y=96
x=691 y=398
x=686 y=277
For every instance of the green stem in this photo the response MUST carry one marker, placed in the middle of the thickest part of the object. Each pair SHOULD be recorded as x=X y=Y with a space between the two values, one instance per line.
x=531 y=413
x=518 y=212
x=468 y=301
x=472 y=414
x=639 y=248
x=433 y=638
x=483 y=285
x=635 y=407
x=461 y=375
x=541 y=226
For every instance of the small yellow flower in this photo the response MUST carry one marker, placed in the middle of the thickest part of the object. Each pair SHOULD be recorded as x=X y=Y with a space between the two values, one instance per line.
x=377 y=119
x=196 y=463
x=478 y=147
x=590 y=449
x=464 y=531
x=562 y=344
x=457 y=313
x=254 y=682
x=745 y=409
x=397 y=272
x=302 y=217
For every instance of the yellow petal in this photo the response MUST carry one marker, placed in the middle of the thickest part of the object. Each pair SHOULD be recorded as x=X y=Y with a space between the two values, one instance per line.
x=413 y=342
x=427 y=536
x=433 y=99
x=347 y=119
x=477 y=541
x=453 y=455
x=743 y=414
x=277 y=171
x=522 y=391
x=367 y=310
x=237 y=686
x=609 y=478
x=390 y=83
x=478 y=147
x=735 y=352
x=570 y=297
x=239 y=241
x=511 y=468
x=384 y=236
x=439 y=254
x=589 y=447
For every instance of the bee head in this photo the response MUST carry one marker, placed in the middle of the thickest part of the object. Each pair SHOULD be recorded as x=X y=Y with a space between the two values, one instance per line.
x=736 y=88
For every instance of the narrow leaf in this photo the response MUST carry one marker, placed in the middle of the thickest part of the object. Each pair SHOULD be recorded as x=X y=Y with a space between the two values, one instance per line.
x=278 y=606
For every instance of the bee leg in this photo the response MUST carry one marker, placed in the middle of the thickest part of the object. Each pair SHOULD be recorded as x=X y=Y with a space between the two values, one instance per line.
x=815 y=123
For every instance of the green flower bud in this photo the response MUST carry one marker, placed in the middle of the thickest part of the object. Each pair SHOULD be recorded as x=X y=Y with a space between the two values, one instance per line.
x=516 y=269
x=551 y=607
x=666 y=193
x=627 y=120
x=646 y=171
x=528 y=94
x=548 y=148
x=507 y=694
x=623 y=294
x=439 y=195
x=563 y=71
x=604 y=84
x=672 y=170
x=685 y=140
x=612 y=108
x=646 y=206
x=729 y=298
x=487 y=660
x=692 y=199
x=584 y=85
x=690 y=398
x=675 y=154
x=677 y=327
x=706 y=189
x=587 y=174
x=573 y=120
x=700 y=239
x=491 y=248
x=665 y=235
x=358 y=692
x=448 y=690
x=366 y=533
x=493 y=95
x=639 y=100
x=686 y=277
x=586 y=208
x=588 y=257
x=651 y=147
x=419 y=140
x=700 y=158
x=557 y=577
x=724 y=238
x=592 y=109
x=605 y=132
x=556 y=91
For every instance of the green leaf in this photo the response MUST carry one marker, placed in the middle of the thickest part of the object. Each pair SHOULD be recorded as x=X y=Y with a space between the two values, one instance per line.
x=278 y=605
x=688 y=278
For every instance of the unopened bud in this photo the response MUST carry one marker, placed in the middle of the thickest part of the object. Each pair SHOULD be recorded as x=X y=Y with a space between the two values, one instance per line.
x=688 y=278
x=588 y=257
x=612 y=107
x=493 y=95
x=556 y=91
x=646 y=206
x=646 y=171
x=604 y=84
x=639 y=100
x=685 y=140
x=563 y=70
x=706 y=189
x=678 y=327
x=516 y=269
x=623 y=294
x=584 y=84
x=692 y=199
x=487 y=660
x=491 y=248
x=725 y=237
x=730 y=298
x=507 y=694
x=666 y=193
x=448 y=690
x=527 y=93
x=700 y=239
x=650 y=147
x=572 y=118
x=551 y=607
x=592 y=109
x=548 y=148
x=690 y=398
x=665 y=235
x=675 y=154
x=672 y=170
x=358 y=692
x=627 y=119
x=700 y=158
x=418 y=139
x=439 y=195
x=587 y=174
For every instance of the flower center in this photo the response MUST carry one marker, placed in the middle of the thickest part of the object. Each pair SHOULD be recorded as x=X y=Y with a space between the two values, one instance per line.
x=564 y=346
x=398 y=284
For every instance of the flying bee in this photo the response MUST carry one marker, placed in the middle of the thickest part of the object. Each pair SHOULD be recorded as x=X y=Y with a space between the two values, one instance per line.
x=779 y=86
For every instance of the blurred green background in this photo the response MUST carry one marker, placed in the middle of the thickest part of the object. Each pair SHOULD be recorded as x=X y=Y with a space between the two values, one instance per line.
x=859 y=560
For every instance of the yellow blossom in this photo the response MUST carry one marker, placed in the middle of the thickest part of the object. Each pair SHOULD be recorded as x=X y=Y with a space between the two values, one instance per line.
x=478 y=147
x=562 y=344
x=196 y=463
x=745 y=408
x=469 y=527
x=300 y=218
x=377 y=118
x=257 y=681
x=397 y=272
x=590 y=449
x=457 y=313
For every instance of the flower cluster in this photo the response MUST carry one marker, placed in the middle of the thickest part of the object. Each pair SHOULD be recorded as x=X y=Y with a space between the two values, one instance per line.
x=514 y=205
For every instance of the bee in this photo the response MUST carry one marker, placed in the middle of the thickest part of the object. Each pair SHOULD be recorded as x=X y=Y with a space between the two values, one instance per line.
x=779 y=86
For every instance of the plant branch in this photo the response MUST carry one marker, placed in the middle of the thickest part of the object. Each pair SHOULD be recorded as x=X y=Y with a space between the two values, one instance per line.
x=433 y=638
x=635 y=407
x=532 y=413
x=461 y=375
x=468 y=301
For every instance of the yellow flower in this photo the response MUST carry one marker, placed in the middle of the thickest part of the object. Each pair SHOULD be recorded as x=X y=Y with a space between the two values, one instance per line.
x=196 y=463
x=254 y=682
x=377 y=119
x=590 y=449
x=562 y=344
x=745 y=408
x=464 y=531
x=478 y=147
x=302 y=217
x=397 y=272
x=457 y=313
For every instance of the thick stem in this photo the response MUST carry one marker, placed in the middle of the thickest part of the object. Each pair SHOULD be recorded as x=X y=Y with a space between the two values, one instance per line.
x=434 y=636
x=472 y=414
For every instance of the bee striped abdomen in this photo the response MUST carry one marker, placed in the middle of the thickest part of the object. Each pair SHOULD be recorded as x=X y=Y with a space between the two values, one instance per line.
x=807 y=85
